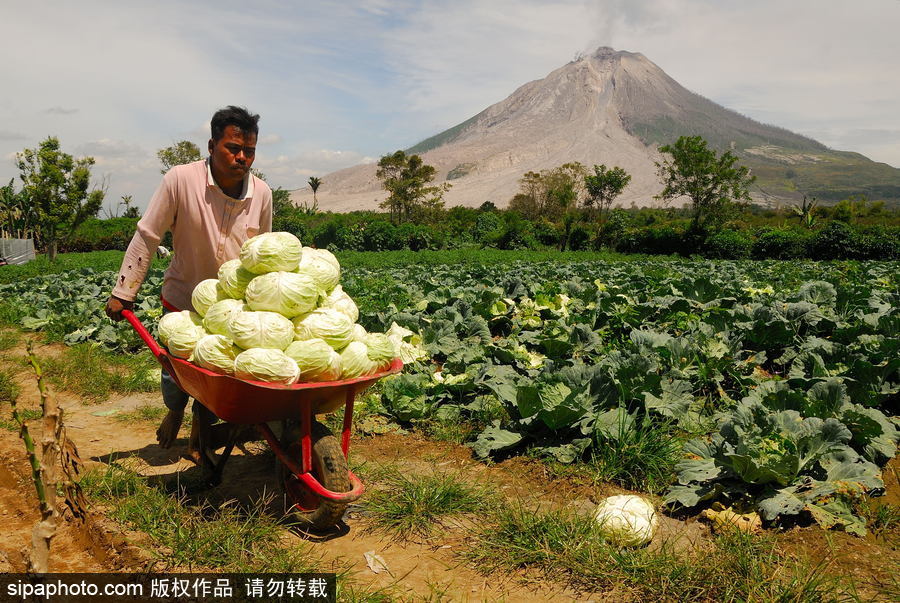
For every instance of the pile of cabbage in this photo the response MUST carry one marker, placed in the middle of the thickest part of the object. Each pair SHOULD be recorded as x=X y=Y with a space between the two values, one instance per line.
x=277 y=314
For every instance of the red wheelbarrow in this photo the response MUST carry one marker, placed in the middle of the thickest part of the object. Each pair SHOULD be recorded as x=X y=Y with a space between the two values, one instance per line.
x=312 y=465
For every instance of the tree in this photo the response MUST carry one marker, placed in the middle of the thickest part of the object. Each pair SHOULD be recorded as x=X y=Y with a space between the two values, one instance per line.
x=551 y=193
x=713 y=183
x=314 y=184
x=806 y=212
x=16 y=214
x=179 y=153
x=131 y=211
x=603 y=187
x=56 y=187
x=406 y=178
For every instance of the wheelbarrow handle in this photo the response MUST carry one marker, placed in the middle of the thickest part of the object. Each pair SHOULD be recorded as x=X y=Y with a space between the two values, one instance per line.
x=143 y=333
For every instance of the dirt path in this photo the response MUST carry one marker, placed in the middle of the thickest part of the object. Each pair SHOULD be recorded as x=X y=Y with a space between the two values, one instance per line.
x=428 y=569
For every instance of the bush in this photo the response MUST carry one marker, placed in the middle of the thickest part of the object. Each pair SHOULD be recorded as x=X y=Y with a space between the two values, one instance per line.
x=545 y=233
x=778 y=244
x=418 y=237
x=382 y=236
x=579 y=238
x=878 y=243
x=348 y=237
x=834 y=242
x=727 y=245
x=655 y=240
x=292 y=222
x=95 y=234
x=517 y=233
x=488 y=229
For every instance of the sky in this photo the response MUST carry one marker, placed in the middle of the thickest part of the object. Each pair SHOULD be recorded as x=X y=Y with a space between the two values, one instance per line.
x=341 y=83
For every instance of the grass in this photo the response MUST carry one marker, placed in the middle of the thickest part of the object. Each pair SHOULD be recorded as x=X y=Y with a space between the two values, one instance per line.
x=196 y=537
x=740 y=567
x=149 y=413
x=9 y=392
x=95 y=373
x=9 y=338
x=410 y=505
x=638 y=455
x=199 y=537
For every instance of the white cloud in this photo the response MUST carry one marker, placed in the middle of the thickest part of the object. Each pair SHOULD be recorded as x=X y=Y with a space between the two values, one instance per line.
x=341 y=83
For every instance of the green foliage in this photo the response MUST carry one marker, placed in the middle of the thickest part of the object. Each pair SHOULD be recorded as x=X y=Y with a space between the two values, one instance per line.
x=415 y=505
x=780 y=244
x=712 y=182
x=16 y=213
x=489 y=228
x=728 y=245
x=180 y=153
x=603 y=186
x=95 y=234
x=55 y=186
x=735 y=567
x=406 y=177
x=551 y=193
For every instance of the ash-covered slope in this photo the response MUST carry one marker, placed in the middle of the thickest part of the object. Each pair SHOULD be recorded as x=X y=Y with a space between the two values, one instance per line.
x=613 y=108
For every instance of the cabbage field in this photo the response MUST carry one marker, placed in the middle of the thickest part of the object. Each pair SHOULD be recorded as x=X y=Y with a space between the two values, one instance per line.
x=779 y=381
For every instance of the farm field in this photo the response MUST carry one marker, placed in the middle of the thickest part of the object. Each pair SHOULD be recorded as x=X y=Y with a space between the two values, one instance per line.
x=533 y=389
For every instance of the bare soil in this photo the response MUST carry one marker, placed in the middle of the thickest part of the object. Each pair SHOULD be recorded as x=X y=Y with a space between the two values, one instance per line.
x=417 y=568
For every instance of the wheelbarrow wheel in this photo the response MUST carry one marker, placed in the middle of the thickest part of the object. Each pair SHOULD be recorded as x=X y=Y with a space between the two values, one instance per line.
x=328 y=466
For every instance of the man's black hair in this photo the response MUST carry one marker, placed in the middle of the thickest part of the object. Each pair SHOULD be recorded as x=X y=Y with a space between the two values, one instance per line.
x=233 y=116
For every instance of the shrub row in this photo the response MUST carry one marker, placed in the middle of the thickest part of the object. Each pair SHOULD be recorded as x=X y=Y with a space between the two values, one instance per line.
x=367 y=231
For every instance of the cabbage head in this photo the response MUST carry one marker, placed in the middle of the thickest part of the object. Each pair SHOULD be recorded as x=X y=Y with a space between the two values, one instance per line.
x=327 y=324
x=260 y=330
x=216 y=353
x=233 y=279
x=288 y=293
x=173 y=322
x=320 y=268
x=381 y=350
x=355 y=361
x=340 y=301
x=218 y=315
x=180 y=332
x=317 y=360
x=205 y=294
x=359 y=333
x=271 y=252
x=263 y=364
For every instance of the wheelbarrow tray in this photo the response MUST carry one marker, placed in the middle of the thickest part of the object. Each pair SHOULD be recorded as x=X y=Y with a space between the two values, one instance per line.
x=246 y=402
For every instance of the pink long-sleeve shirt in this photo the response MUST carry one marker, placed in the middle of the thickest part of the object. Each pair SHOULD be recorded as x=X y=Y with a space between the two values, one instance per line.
x=208 y=228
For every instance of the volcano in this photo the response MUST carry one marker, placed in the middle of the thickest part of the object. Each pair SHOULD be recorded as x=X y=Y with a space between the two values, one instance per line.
x=615 y=108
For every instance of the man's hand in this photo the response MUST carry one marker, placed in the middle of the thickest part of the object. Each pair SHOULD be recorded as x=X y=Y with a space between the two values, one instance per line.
x=114 y=307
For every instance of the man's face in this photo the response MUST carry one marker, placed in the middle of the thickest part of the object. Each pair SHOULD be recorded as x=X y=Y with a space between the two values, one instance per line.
x=233 y=154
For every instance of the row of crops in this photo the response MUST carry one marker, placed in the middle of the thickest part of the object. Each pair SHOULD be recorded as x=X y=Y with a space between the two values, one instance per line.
x=781 y=379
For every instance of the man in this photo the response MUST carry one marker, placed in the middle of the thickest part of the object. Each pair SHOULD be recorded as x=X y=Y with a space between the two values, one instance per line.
x=211 y=207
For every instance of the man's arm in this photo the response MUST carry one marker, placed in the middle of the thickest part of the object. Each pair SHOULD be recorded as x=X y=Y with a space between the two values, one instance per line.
x=159 y=217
